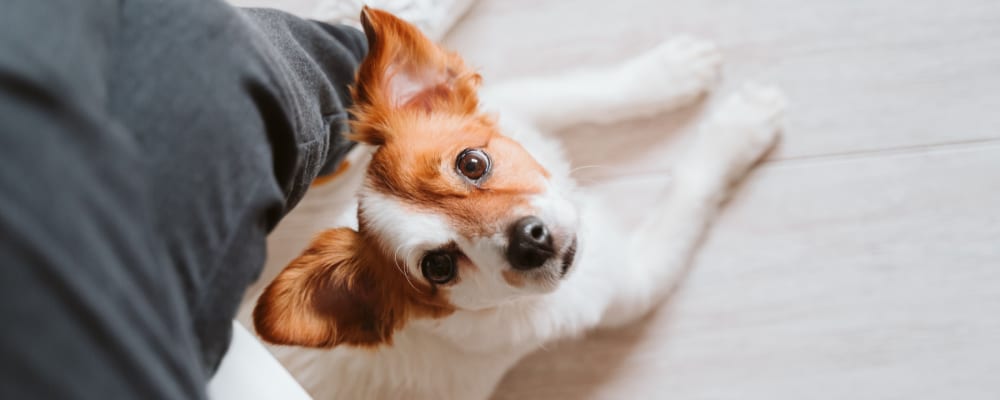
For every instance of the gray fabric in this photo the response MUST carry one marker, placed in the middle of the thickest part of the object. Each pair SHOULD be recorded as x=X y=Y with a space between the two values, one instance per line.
x=146 y=149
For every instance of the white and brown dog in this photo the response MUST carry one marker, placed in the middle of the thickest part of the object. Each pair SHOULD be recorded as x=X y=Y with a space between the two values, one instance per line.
x=474 y=247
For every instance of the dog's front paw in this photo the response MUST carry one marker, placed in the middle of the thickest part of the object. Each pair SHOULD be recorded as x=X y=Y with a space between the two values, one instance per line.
x=744 y=127
x=748 y=121
x=689 y=60
x=676 y=72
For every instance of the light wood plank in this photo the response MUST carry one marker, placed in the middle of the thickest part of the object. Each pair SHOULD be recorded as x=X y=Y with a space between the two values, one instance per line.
x=861 y=278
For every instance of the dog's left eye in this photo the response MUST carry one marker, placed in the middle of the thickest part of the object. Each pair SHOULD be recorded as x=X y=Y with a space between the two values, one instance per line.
x=438 y=267
x=473 y=164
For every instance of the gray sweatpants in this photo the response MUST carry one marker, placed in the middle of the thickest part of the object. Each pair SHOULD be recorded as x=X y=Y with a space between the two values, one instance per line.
x=146 y=149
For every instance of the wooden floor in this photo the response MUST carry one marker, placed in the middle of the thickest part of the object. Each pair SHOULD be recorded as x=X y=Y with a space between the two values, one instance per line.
x=861 y=261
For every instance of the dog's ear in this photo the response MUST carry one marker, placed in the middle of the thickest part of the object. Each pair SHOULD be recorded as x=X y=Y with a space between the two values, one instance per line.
x=329 y=296
x=405 y=71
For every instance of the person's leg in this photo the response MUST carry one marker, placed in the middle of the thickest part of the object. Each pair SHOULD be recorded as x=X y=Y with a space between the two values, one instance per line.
x=146 y=149
x=255 y=110
x=87 y=296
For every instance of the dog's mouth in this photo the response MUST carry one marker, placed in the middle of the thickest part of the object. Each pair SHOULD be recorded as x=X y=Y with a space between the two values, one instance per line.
x=567 y=259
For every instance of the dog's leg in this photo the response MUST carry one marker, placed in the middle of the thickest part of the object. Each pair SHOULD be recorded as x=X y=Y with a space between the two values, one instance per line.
x=670 y=75
x=728 y=144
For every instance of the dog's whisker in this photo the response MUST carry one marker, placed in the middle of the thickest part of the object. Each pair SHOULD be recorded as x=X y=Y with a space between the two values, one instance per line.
x=403 y=271
x=395 y=256
x=582 y=167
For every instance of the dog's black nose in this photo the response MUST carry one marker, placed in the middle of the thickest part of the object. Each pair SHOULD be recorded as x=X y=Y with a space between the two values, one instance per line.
x=530 y=244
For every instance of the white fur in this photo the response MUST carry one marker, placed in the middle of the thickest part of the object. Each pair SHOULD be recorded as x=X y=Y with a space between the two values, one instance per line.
x=620 y=272
x=405 y=232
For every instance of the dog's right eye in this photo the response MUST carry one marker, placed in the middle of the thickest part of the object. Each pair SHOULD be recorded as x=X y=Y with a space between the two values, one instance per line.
x=473 y=164
x=438 y=267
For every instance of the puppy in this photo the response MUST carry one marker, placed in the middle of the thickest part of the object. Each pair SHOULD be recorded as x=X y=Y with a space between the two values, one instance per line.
x=474 y=247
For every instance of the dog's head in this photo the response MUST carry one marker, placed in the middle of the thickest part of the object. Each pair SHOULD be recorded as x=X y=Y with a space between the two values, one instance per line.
x=453 y=214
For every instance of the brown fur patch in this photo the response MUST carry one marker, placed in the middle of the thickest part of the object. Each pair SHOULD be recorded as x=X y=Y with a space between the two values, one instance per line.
x=395 y=49
x=513 y=278
x=419 y=168
x=342 y=289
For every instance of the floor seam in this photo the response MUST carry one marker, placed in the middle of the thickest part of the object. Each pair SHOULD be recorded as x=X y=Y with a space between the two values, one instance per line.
x=902 y=151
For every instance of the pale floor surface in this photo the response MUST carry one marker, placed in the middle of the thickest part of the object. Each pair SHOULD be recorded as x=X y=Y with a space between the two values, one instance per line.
x=861 y=261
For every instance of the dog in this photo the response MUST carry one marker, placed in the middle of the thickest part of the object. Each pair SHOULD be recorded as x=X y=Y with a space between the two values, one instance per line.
x=474 y=245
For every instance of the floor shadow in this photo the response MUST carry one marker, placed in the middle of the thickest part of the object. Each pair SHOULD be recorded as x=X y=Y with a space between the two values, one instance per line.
x=602 y=152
